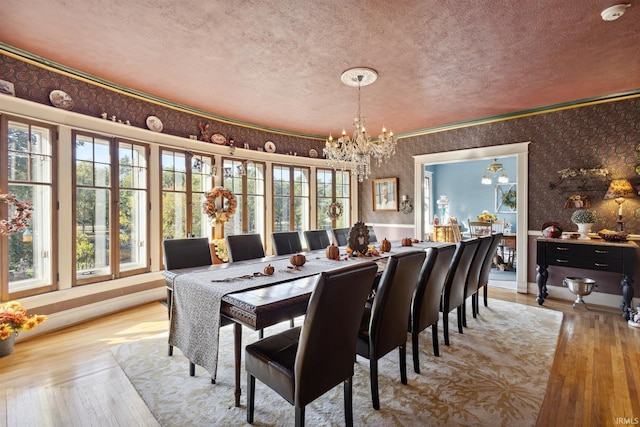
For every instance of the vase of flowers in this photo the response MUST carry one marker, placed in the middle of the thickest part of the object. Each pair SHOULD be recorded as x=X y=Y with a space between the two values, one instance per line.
x=14 y=319
x=486 y=216
x=584 y=219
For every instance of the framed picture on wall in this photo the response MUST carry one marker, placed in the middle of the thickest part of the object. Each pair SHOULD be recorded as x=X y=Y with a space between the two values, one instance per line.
x=385 y=194
x=7 y=88
x=506 y=198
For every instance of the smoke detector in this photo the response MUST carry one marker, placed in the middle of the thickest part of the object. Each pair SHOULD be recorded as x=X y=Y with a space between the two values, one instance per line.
x=614 y=12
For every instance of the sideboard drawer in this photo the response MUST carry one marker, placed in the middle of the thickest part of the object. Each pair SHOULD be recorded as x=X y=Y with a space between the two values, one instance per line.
x=563 y=250
x=589 y=263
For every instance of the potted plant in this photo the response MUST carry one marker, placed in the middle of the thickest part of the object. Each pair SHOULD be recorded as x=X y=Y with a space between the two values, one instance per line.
x=584 y=219
x=13 y=319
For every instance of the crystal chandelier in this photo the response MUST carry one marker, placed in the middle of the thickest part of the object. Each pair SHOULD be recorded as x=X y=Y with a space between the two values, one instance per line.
x=495 y=168
x=356 y=152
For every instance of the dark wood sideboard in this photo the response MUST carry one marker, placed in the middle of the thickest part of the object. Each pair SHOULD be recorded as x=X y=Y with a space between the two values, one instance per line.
x=598 y=255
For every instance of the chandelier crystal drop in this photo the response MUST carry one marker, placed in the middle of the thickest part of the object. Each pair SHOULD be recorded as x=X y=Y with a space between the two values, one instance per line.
x=355 y=152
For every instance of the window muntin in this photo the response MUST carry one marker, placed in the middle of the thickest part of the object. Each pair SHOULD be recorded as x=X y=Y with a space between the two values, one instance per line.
x=246 y=181
x=111 y=208
x=291 y=201
x=333 y=186
x=28 y=154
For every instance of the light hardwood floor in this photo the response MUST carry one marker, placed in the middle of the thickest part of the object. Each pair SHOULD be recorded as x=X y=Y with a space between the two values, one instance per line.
x=70 y=378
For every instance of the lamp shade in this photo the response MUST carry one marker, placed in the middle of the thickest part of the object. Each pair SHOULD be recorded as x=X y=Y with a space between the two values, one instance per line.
x=620 y=188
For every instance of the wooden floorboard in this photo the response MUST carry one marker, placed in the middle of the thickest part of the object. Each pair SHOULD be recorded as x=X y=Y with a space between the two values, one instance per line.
x=70 y=378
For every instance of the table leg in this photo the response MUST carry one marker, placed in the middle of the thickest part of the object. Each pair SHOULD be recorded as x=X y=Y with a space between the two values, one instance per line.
x=627 y=296
x=541 y=280
x=237 y=346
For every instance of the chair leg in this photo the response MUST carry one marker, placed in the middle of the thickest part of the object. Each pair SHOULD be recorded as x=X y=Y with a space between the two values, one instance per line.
x=299 y=416
x=416 y=353
x=192 y=369
x=460 y=317
x=261 y=334
x=170 y=350
x=403 y=363
x=373 y=372
x=474 y=297
x=348 y=401
x=251 y=391
x=477 y=302
x=486 y=289
x=462 y=313
x=291 y=323
x=434 y=338
x=445 y=327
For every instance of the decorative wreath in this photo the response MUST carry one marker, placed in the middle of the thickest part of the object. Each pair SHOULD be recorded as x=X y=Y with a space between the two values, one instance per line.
x=219 y=212
x=334 y=211
x=509 y=199
x=19 y=219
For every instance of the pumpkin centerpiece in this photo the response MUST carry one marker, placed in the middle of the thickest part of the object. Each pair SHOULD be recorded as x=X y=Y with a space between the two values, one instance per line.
x=407 y=242
x=269 y=270
x=298 y=260
x=333 y=252
x=385 y=245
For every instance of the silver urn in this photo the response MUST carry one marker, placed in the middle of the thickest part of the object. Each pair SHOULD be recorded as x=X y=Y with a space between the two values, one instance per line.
x=579 y=286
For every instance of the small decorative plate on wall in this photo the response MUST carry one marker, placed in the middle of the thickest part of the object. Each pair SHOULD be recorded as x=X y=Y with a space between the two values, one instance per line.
x=270 y=147
x=313 y=153
x=218 y=138
x=154 y=124
x=61 y=99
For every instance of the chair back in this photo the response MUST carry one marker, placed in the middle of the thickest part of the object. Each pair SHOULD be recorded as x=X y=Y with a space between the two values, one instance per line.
x=455 y=283
x=479 y=228
x=185 y=253
x=483 y=279
x=498 y=225
x=473 y=277
x=392 y=303
x=327 y=345
x=455 y=229
x=317 y=239
x=286 y=242
x=244 y=246
x=372 y=234
x=425 y=305
x=341 y=236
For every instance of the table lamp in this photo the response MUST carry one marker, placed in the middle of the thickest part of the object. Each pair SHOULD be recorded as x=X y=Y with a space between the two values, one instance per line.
x=620 y=189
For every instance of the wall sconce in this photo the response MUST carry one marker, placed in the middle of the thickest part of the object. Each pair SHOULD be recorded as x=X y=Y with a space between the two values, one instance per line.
x=620 y=189
x=405 y=205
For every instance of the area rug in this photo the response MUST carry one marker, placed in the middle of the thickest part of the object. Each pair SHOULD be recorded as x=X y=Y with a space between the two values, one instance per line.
x=495 y=373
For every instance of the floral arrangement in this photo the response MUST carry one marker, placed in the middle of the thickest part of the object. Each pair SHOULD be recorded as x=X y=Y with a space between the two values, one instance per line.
x=14 y=319
x=19 y=219
x=486 y=216
x=584 y=216
x=219 y=211
x=334 y=211
x=221 y=249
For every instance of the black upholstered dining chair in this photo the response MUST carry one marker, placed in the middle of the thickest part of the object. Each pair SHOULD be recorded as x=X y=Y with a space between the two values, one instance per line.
x=483 y=281
x=286 y=242
x=425 y=304
x=384 y=323
x=303 y=363
x=242 y=247
x=317 y=239
x=473 y=277
x=454 y=287
x=187 y=253
x=341 y=236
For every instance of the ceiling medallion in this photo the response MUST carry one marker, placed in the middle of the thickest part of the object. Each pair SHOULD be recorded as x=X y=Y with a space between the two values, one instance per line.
x=355 y=153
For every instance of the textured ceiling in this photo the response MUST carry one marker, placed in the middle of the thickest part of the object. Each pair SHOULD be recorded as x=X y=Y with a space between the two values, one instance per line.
x=278 y=63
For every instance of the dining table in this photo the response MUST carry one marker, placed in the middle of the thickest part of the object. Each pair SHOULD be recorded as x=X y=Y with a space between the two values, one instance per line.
x=243 y=292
